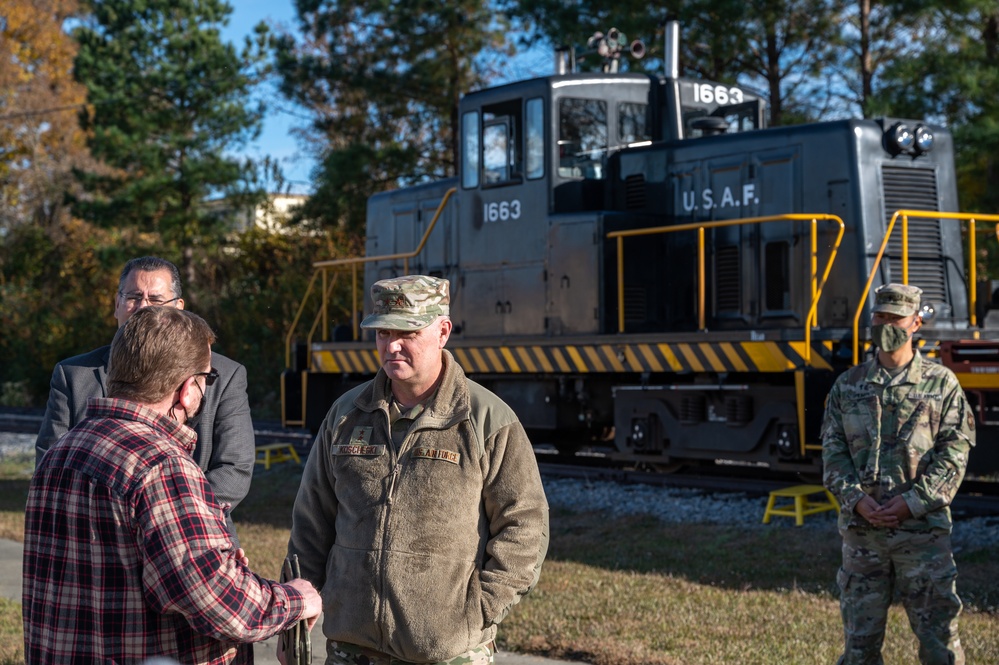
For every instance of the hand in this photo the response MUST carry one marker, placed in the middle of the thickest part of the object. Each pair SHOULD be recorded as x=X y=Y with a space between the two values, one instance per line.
x=867 y=508
x=313 y=601
x=242 y=558
x=895 y=511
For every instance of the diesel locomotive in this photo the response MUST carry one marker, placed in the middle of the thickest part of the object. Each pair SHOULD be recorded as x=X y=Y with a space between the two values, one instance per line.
x=638 y=262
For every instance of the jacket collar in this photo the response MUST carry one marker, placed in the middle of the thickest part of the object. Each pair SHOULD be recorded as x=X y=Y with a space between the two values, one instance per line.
x=913 y=373
x=101 y=371
x=449 y=406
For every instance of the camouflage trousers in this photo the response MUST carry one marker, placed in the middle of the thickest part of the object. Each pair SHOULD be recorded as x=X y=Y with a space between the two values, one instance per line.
x=340 y=653
x=920 y=566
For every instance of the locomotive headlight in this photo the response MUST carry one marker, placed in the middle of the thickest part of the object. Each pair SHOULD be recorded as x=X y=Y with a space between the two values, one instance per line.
x=923 y=139
x=900 y=138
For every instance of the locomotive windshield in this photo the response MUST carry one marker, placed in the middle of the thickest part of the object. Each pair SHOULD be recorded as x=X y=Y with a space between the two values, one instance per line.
x=561 y=127
x=582 y=137
x=585 y=134
x=713 y=108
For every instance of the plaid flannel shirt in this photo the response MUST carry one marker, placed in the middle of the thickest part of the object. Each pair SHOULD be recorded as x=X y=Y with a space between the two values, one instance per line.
x=126 y=553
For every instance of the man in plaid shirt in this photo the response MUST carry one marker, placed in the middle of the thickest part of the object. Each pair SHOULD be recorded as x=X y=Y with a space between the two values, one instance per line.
x=126 y=551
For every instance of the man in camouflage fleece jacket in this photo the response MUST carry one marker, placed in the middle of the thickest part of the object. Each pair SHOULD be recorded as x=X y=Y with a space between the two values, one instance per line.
x=421 y=515
x=895 y=442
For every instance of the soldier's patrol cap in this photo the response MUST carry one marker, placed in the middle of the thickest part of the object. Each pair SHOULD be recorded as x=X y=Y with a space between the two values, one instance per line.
x=898 y=299
x=412 y=302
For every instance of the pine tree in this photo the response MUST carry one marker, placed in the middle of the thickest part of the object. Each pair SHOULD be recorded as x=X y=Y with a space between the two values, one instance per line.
x=382 y=81
x=169 y=103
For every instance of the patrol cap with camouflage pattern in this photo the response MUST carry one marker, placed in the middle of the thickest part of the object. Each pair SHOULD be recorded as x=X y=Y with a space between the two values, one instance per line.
x=412 y=302
x=898 y=299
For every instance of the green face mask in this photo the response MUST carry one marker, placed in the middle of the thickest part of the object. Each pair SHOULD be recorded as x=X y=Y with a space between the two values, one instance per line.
x=889 y=338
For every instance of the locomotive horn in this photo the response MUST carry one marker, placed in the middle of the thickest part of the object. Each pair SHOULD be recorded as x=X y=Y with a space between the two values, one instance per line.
x=637 y=49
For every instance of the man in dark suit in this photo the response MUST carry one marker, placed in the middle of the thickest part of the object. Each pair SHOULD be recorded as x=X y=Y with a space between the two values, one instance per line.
x=225 y=448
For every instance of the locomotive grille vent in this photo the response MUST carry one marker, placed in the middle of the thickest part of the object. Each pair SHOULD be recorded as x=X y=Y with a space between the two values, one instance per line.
x=635 y=310
x=634 y=191
x=915 y=189
x=727 y=290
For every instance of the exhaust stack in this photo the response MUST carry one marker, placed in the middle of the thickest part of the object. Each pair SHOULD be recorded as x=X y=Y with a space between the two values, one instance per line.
x=672 y=51
x=565 y=60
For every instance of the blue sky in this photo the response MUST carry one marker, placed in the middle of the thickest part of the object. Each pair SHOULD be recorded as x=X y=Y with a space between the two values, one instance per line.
x=276 y=139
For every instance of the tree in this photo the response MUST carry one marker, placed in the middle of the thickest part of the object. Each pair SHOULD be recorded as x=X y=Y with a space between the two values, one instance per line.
x=168 y=99
x=777 y=44
x=875 y=36
x=40 y=138
x=251 y=295
x=381 y=81
x=950 y=77
x=788 y=50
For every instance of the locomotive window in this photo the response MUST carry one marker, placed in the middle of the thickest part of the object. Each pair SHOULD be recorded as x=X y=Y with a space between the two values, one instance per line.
x=631 y=126
x=535 y=139
x=743 y=117
x=777 y=276
x=470 y=149
x=582 y=139
x=496 y=153
x=502 y=154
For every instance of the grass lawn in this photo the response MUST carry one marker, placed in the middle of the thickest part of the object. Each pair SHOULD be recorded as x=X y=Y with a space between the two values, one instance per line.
x=635 y=591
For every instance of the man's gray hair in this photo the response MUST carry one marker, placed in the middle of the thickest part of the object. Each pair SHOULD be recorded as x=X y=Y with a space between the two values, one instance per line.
x=152 y=264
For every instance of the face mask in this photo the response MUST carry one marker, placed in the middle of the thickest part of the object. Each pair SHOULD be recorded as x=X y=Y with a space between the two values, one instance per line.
x=889 y=338
x=188 y=417
x=201 y=405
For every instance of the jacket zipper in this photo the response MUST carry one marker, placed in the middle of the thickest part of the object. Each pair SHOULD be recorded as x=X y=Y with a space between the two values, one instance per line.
x=396 y=470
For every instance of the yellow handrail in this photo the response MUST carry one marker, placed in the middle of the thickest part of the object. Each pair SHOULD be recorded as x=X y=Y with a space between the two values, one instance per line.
x=971 y=218
x=294 y=321
x=816 y=287
x=321 y=267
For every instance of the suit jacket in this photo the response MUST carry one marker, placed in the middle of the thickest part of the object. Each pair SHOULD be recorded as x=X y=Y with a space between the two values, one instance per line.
x=225 y=450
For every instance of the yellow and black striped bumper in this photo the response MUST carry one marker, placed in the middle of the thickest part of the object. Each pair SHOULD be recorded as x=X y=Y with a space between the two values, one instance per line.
x=602 y=358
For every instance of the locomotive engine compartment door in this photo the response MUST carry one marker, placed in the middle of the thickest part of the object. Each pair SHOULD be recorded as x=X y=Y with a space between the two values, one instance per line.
x=574 y=277
x=756 y=270
x=506 y=301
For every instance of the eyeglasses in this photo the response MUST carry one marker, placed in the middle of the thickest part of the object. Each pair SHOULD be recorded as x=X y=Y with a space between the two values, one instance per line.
x=210 y=376
x=133 y=300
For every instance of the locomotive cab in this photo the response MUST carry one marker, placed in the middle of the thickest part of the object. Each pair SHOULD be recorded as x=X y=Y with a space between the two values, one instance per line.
x=531 y=150
x=533 y=188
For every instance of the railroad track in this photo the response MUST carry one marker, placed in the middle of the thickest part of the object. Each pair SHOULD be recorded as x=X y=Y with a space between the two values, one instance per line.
x=977 y=497
x=23 y=421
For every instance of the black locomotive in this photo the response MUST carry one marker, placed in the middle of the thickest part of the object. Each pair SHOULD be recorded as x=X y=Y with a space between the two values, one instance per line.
x=639 y=262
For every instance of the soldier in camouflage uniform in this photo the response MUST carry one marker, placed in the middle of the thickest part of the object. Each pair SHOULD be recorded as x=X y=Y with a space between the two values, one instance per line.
x=421 y=516
x=895 y=442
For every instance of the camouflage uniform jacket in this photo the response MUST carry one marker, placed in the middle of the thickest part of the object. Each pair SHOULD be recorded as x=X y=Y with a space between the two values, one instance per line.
x=420 y=550
x=909 y=435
